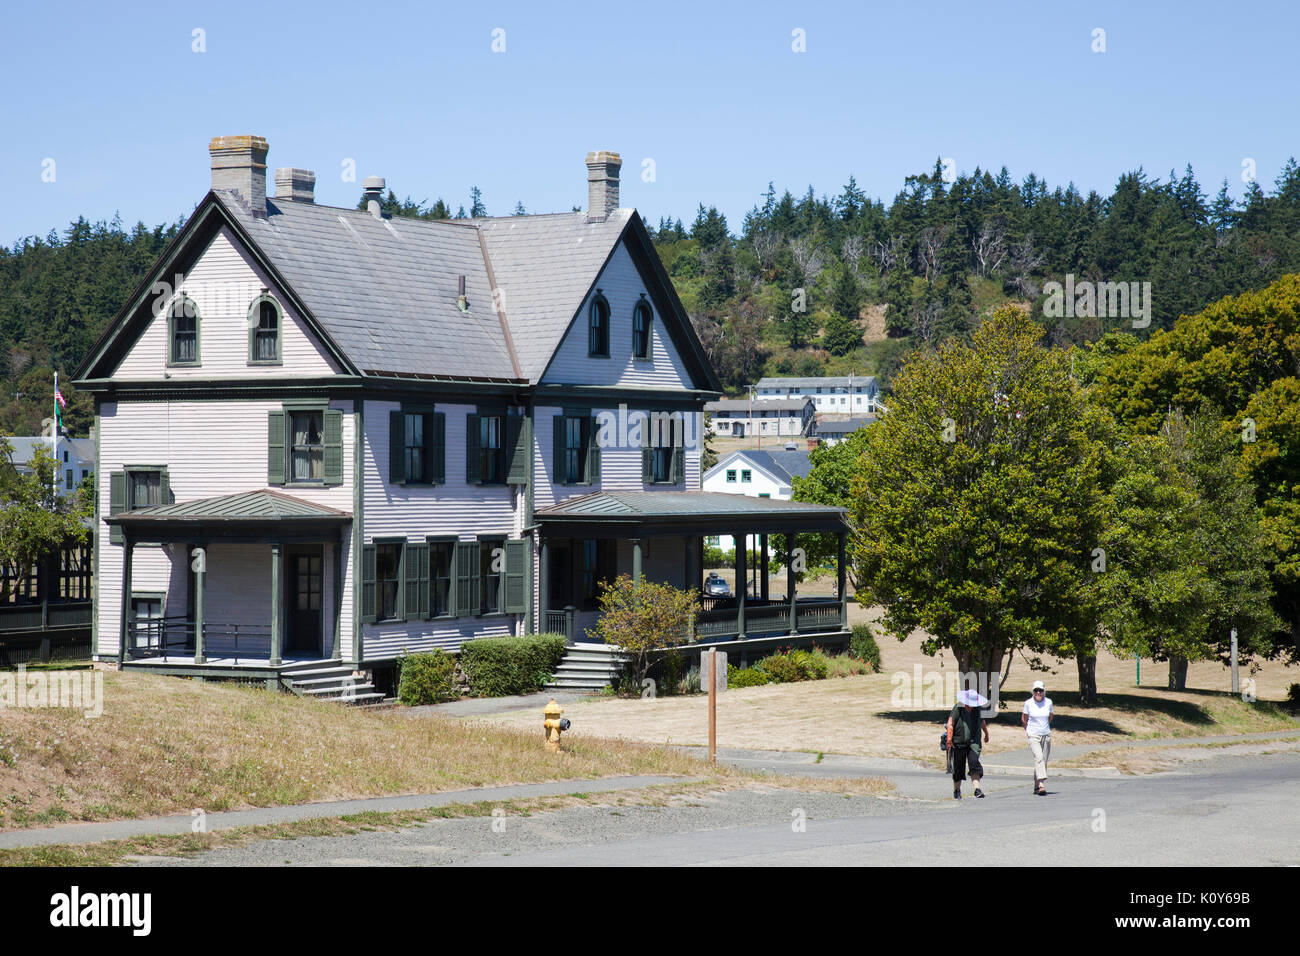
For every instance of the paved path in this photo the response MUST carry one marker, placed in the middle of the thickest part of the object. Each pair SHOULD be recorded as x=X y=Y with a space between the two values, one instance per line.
x=479 y=706
x=150 y=826
x=1239 y=811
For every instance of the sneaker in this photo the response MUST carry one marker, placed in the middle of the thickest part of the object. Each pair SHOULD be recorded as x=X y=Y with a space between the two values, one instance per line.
x=956 y=794
x=979 y=792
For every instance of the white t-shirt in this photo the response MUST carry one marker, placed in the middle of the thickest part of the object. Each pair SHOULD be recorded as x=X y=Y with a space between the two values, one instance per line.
x=1038 y=716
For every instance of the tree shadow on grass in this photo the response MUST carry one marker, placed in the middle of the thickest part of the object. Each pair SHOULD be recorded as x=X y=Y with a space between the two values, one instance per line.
x=1069 y=715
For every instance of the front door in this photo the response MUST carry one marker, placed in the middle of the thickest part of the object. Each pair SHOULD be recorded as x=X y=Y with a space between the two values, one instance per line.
x=303 y=593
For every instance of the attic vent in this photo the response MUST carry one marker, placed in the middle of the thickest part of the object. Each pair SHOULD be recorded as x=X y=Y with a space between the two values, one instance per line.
x=374 y=189
x=462 y=302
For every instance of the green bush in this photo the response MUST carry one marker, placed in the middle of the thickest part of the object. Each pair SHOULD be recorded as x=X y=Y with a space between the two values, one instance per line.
x=426 y=678
x=746 y=677
x=863 y=646
x=717 y=558
x=1293 y=697
x=786 y=667
x=504 y=666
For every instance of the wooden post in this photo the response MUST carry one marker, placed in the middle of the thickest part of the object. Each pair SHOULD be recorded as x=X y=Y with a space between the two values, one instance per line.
x=544 y=584
x=742 y=583
x=842 y=581
x=126 y=598
x=636 y=560
x=762 y=564
x=713 y=705
x=200 y=558
x=789 y=582
x=277 y=601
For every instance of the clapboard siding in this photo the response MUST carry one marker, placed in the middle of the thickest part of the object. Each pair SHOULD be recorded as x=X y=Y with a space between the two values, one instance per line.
x=415 y=511
x=384 y=641
x=620 y=283
x=210 y=448
x=223 y=283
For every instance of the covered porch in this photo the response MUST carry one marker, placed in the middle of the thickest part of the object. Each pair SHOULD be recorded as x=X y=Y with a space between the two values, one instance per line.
x=239 y=584
x=660 y=535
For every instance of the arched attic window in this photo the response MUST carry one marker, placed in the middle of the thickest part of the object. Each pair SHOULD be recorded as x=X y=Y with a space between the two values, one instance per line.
x=265 y=331
x=598 y=327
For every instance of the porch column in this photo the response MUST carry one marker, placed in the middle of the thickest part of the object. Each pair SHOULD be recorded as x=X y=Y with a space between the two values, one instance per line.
x=127 y=551
x=789 y=582
x=742 y=585
x=337 y=651
x=762 y=565
x=636 y=560
x=200 y=566
x=277 y=601
x=842 y=579
x=544 y=584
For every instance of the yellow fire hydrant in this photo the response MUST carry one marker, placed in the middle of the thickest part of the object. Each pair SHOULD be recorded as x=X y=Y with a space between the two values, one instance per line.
x=553 y=724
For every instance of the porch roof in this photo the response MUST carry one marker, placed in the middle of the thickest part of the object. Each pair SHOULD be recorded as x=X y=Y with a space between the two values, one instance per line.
x=684 y=512
x=251 y=515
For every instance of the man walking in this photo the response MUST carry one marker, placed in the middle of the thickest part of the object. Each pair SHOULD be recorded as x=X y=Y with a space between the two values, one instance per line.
x=1036 y=718
x=964 y=727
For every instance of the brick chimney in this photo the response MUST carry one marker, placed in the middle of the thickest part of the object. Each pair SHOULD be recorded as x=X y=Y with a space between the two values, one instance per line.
x=296 y=184
x=239 y=167
x=602 y=184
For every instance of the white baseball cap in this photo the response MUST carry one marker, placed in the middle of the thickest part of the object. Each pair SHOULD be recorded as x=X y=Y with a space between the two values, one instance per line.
x=1038 y=685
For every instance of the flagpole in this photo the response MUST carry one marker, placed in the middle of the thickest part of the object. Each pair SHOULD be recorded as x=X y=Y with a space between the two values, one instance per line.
x=54 y=439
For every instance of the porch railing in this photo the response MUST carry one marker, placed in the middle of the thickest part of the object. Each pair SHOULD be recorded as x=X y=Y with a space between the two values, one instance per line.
x=560 y=621
x=169 y=637
x=763 y=618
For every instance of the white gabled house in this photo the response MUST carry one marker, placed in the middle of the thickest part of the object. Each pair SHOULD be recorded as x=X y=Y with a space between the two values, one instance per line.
x=330 y=437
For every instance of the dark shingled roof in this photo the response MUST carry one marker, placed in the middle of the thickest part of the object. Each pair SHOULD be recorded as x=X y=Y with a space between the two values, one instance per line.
x=635 y=504
x=386 y=290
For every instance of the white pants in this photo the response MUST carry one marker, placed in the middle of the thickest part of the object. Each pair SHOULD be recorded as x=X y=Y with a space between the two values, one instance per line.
x=1040 y=747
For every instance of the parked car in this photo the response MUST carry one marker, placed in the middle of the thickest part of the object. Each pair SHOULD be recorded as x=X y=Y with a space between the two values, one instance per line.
x=715 y=586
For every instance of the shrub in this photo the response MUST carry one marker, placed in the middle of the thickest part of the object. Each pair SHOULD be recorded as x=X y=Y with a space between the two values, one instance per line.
x=863 y=646
x=786 y=667
x=691 y=684
x=842 y=665
x=717 y=558
x=644 y=618
x=504 y=666
x=426 y=678
x=746 y=677
x=1293 y=697
x=667 y=673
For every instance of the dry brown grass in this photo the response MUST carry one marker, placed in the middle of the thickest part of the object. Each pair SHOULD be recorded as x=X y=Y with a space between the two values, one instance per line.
x=856 y=715
x=167 y=745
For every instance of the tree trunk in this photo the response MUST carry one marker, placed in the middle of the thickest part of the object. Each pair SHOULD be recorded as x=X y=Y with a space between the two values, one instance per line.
x=987 y=666
x=1087 y=680
x=1178 y=673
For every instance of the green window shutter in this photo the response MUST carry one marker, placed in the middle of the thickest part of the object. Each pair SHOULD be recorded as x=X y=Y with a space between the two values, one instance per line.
x=649 y=331
x=437 y=447
x=417 y=582
x=275 y=448
x=593 y=450
x=116 y=502
x=396 y=448
x=165 y=488
x=647 y=465
x=679 y=465
x=333 y=446
x=516 y=584
x=467 y=602
x=368 y=583
x=518 y=447
x=557 y=449
x=472 y=462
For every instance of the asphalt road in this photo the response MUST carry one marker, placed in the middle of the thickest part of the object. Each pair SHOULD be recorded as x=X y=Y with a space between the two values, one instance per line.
x=1232 y=811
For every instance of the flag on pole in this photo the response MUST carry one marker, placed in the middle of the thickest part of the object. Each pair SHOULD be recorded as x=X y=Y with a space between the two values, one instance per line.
x=60 y=403
x=58 y=397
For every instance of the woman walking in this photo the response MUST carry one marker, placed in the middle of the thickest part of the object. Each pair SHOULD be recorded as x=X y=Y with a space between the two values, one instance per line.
x=1036 y=718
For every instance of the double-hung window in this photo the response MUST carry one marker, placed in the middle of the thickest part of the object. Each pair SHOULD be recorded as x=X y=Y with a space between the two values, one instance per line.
x=417 y=447
x=491 y=557
x=491 y=449
x=642 y=317
x=264 y=323
x=598 y=327
x=577 y=454
x=183 y=328
x=441 y=554
x=663 y=448
x=307 y=455
x=731 y=474
x=388 y=580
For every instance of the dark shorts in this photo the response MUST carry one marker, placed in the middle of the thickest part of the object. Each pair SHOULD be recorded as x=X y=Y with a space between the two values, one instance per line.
x=960 y=758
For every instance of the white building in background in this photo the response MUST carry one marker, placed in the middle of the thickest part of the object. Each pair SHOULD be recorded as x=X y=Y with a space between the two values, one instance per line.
x=778 y=418
x=834 y=432
x=75 y=457
x=831 y=395
x=755 y=474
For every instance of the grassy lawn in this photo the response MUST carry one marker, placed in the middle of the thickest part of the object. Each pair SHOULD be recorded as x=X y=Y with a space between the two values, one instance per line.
x=855 y=715
x=165 y=745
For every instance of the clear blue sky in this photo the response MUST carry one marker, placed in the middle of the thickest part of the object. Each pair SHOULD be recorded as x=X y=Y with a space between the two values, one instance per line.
x=712 y=92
